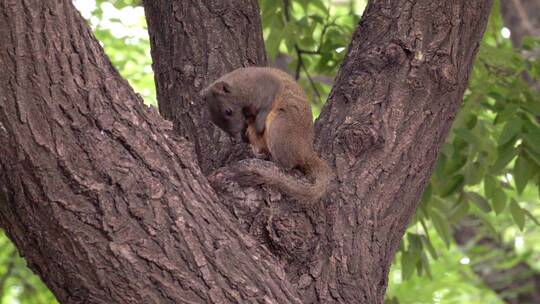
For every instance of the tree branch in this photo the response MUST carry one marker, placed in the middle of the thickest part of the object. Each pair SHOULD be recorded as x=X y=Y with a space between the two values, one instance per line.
x=95 y=187
x=515 y=283
x=389 y=112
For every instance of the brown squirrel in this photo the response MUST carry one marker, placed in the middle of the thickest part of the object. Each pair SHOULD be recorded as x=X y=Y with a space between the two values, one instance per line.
x=268 y=109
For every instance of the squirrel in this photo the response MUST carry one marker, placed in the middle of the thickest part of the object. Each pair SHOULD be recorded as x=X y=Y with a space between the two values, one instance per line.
x=266 y=108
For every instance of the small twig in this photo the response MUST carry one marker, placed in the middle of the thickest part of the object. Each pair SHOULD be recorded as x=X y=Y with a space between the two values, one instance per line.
x=312 y=84
x=299 y=64
x=286 y=10
x=317 y=52
x=299 y=53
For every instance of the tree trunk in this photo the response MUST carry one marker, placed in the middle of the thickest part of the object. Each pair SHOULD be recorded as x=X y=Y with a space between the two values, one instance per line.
x=187 y=54
x=108 y=205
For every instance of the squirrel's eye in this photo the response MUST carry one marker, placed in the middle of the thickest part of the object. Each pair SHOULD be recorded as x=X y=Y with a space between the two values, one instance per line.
x=228 y=112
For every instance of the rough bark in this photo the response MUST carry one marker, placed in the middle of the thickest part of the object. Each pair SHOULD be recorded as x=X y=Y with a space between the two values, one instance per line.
x=104 y=203
x=108 y=206
x=393 y=103
x=516 y=284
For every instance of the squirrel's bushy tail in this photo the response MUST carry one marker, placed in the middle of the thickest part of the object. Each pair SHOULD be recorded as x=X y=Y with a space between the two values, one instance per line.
x=317 y=171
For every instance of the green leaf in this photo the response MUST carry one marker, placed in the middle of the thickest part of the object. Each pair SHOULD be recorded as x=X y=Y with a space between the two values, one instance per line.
x=538 y=184
x=532 y=106
x=392 y=300
x=531 y=216
x=273 y=41
x=459 y=211
x=505 y=154
x=425 y=264
x=320 y=5
x=454 y=164
x=429 y=246
x=490 y=184
x=475 y=173
x=426 y=196
x=415 y=241
x=447 y=150
x=440 y=165
x=408 y=263
x=533 y=155
x=522 y=173
x=510 y=130
x=499 y=200
x=455 y=183
x=467 y=135
x=303 y=3
x=532 y=138
x=496 y=96
x=490 y=229
x=517 y=214
x=270 y=6
x=315 y=18
x=289 y=33
x=508 y=112
x=441 y=225
x=401 y=247
x=471 y=121
x=479 y=201
x=529 y=43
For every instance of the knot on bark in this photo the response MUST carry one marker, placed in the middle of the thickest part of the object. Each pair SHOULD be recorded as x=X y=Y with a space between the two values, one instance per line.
x=380 y=57
x=290 y=233
x=278 y=222
x=361 y=131
x=218 y=6
x=359 y=86
x=444 y=73
x=358 y=139
x=395 y=54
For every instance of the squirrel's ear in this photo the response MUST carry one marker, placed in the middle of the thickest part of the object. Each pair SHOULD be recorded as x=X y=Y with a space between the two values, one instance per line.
x=221 y=88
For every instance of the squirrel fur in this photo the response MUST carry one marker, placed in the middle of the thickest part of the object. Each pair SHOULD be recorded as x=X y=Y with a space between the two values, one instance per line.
x=268 y=109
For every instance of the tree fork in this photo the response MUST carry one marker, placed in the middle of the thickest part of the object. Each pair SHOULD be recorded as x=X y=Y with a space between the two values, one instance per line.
x=104 y=203
x=107 y=205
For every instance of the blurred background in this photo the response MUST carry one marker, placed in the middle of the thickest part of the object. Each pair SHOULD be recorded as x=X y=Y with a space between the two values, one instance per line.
x=476 y=236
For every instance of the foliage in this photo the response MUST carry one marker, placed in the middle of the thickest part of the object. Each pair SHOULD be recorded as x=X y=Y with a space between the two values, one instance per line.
x=17 y=282
x=489 y=166
x=451 y=280
x=314 y=35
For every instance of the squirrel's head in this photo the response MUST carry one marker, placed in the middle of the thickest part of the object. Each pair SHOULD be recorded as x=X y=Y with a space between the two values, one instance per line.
x=226 y=109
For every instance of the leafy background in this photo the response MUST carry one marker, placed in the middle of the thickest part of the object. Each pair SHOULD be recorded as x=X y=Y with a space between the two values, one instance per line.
x=475 y=236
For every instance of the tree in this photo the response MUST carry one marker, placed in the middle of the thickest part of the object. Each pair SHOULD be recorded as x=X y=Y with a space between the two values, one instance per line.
x=127 y=201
